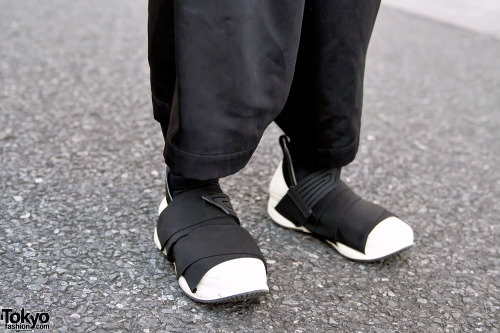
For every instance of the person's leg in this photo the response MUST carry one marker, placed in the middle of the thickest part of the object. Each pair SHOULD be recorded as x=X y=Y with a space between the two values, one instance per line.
x=322 y=114
x=322 y=119
x=161 y=47
x=161 y=57
x=220 y=73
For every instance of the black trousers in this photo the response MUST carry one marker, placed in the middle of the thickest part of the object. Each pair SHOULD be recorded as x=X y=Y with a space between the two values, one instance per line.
x=223 y=70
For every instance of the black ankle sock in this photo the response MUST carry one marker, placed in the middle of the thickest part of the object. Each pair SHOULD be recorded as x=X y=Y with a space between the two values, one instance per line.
x=301 y=168
x=302 y=171
x=178 y=184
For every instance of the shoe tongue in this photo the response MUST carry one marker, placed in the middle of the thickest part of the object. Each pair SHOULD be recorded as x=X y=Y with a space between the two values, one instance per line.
x=212 y=194
x=221 y=201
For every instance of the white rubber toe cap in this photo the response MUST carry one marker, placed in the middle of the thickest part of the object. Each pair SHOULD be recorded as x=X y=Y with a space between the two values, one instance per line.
x=230 y=278
x=388 y=237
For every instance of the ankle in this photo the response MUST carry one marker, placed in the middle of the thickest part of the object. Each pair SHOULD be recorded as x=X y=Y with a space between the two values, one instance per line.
x=178 y=184
x=302 y=170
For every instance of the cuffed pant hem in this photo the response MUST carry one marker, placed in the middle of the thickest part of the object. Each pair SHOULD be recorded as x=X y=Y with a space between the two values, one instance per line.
x=161 y=111
x=203 y=167
x=321 y=158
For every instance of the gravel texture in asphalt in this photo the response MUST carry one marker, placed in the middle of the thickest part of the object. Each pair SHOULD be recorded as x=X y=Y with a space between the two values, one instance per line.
x=81 y=173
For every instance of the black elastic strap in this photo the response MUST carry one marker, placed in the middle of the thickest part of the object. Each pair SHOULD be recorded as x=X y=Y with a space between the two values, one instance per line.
x=186 y=212
x=212 y=241
x=298 y=203
x=352 y=217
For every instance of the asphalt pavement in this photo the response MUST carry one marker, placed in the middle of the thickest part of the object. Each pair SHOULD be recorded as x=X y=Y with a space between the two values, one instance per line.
x=81 y=176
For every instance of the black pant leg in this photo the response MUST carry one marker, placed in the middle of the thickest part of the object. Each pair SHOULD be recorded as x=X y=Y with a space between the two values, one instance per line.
x=221 y=71
x=323 y=111
x=161 y=56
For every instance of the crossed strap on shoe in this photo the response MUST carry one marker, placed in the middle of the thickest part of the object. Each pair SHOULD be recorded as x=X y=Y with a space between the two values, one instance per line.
x=199 y=230
x=329 y=209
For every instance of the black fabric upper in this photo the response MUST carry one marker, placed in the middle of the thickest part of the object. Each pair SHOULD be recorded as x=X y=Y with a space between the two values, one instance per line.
x=200 y=230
